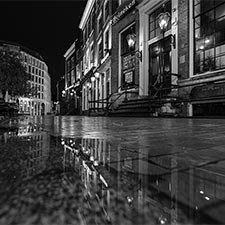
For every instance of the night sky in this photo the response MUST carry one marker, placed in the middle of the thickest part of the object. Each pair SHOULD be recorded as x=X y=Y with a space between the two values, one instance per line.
x=48 y=27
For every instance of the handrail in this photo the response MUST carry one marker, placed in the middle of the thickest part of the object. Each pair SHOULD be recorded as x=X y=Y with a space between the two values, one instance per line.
x=106 y=100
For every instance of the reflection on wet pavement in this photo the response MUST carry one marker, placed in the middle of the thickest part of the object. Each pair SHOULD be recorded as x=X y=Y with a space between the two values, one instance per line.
x=80 y=170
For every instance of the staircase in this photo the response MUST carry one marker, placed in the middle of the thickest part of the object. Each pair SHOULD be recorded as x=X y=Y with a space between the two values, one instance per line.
x=136 y=107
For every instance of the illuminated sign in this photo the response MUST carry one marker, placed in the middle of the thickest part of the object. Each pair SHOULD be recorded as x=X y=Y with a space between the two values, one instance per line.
x=122 y=12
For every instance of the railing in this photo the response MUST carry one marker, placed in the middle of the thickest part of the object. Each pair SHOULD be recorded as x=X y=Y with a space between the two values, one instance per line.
x=108 y=102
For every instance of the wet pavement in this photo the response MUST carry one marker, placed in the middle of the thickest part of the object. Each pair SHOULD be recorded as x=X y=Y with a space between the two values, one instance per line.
x=99 y=170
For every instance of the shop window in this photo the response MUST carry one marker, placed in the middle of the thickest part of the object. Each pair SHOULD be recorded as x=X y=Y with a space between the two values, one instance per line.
x=209 y=35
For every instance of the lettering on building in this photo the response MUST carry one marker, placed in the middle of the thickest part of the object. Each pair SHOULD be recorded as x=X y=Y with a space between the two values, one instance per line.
x=115 y=19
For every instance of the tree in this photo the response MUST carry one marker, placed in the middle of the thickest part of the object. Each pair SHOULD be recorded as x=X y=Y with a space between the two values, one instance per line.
x=13 y=75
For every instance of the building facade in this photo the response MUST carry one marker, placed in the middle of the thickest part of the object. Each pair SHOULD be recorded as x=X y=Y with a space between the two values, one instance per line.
x=70 y=79
x=40 y=102
x=157 y=57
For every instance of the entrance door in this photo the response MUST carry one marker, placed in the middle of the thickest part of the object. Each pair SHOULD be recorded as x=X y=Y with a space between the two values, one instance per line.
x=160 y=67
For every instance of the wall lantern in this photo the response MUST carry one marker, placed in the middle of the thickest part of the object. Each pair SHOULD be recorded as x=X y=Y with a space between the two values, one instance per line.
x=88 y=85
x=92 y=79
x=131 y=40
x=97 y=75
x=163 y=20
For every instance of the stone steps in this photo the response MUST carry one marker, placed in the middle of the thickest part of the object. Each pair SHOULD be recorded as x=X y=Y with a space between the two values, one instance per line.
x=135 y=107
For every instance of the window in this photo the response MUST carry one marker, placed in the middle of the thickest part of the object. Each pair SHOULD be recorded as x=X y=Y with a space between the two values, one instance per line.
x=209 y=35
x=92 y=54
x=89 y=27
x=106 y=9
x=127 y=59
x=99 y=23
x=72 y=62
x=154 y=29
x=106 y=41
x=124 y=45
x=100 y=51
x=92 y=20
x=72 y=77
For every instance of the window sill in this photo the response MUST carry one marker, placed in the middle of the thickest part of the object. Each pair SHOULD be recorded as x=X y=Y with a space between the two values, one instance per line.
x=205 y=74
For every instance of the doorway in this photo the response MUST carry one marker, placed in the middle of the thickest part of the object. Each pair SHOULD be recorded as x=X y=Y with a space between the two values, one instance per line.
x=160 y=67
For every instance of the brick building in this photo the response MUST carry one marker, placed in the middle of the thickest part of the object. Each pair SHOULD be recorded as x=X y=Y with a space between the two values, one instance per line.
x=70 y=98
x=153 y=58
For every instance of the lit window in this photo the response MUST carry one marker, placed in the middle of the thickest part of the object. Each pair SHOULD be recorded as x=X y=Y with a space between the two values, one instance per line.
x=209 y=35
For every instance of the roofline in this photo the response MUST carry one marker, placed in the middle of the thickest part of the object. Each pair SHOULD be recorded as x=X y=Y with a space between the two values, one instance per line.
x=24 y=49
x=70 y=50
x=86 y=13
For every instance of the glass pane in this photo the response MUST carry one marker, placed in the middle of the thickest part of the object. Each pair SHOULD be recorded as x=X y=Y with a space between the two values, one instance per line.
x=220 y=11
x=209 y=16
x=152 y=35
x=152 y=26
x=151 y=18
x=220 y=23
x=220 y=50
x=198 y=64
x=220 y=62
x=196 y=2
x=217 y=2
x=200 y=45
x=197 y=22
x=209 y=53
x=158 y=31
x=209 y=41
x=197 y=34
x=207 y=4
x=197 y=10
x=209 y=28
x=220 y=36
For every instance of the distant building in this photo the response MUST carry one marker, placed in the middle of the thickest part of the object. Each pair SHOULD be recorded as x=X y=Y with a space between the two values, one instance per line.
x=40 y=103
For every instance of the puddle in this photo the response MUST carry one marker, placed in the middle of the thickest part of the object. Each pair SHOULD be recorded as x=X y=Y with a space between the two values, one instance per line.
x=63 y=180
